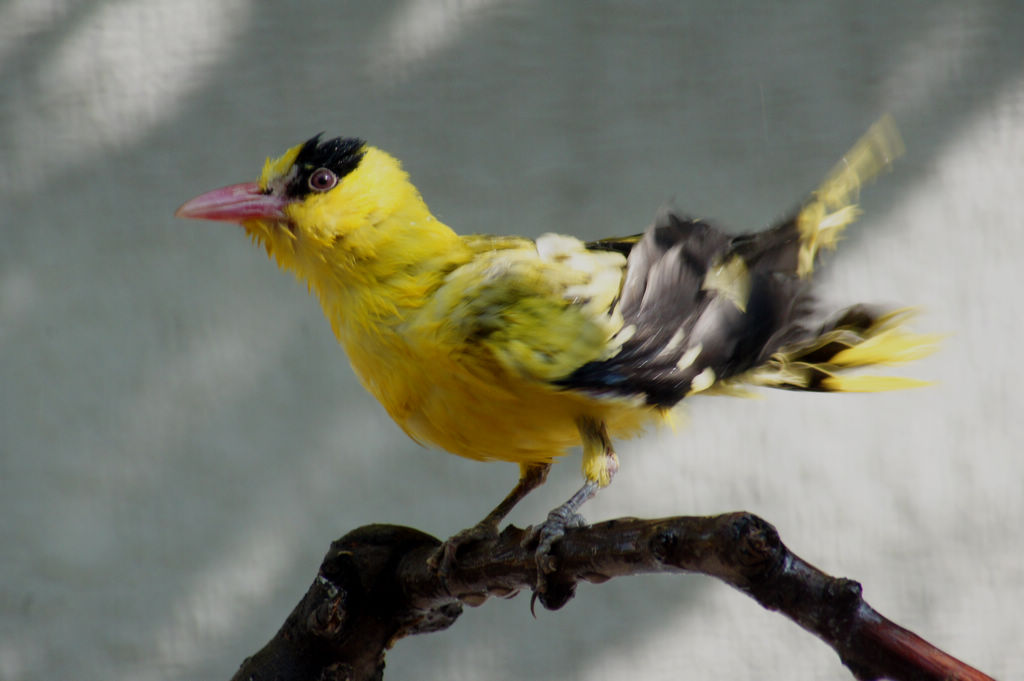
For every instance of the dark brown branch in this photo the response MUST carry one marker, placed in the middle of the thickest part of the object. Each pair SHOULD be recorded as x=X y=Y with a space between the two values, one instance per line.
x=374 y=588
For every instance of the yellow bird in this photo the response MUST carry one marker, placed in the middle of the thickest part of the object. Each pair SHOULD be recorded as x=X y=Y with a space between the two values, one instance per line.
x=512 y=349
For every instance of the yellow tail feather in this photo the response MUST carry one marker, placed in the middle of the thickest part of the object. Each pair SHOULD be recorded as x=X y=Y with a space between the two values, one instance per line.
x=870 y=384
x=833 y=205
x=887 y=342
x=892 y=347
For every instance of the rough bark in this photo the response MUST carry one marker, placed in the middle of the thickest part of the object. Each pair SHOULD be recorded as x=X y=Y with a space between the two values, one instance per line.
x=374 y=587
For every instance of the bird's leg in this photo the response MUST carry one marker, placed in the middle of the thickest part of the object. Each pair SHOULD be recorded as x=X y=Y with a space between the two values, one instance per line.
x=599 y=466
x=531 y=476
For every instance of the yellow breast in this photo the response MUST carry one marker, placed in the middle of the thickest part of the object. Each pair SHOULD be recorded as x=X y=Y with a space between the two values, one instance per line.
x=469 y=405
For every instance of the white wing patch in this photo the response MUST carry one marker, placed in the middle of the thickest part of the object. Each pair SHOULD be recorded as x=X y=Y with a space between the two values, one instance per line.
x=602 y=271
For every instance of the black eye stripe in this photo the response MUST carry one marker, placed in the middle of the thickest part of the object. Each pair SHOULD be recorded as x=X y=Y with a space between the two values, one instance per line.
x=340 y=156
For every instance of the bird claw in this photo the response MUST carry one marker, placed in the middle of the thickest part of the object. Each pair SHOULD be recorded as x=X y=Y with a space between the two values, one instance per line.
x=551 y=593
x=443 y=559
x=549 y=532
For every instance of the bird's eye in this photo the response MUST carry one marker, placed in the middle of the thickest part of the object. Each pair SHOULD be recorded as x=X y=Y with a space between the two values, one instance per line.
x=322 y=179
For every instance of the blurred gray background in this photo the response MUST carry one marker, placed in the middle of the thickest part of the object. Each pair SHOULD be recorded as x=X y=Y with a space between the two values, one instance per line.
x=180 y=437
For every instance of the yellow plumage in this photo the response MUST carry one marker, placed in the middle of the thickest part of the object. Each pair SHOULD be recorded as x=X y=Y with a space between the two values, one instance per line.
x=459 y=338
x=832 y=205
x=512 y=349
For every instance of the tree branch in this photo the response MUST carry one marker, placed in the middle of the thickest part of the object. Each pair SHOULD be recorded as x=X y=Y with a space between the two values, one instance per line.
x=374 y=588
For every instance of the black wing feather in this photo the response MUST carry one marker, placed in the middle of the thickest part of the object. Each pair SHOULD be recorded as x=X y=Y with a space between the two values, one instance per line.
x=665 y=298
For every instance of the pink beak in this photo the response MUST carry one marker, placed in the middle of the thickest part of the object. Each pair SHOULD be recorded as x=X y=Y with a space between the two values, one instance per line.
x=237 y=203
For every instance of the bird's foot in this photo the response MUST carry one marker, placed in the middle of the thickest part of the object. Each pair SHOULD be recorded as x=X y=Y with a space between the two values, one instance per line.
x=443 y=559
x=551 y=594
x=549 y=532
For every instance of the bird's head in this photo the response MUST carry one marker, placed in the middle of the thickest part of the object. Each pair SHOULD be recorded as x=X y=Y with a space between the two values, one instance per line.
x=335 y=208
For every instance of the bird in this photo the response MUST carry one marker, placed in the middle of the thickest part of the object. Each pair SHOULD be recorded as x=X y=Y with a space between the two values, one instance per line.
x=515 y=349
